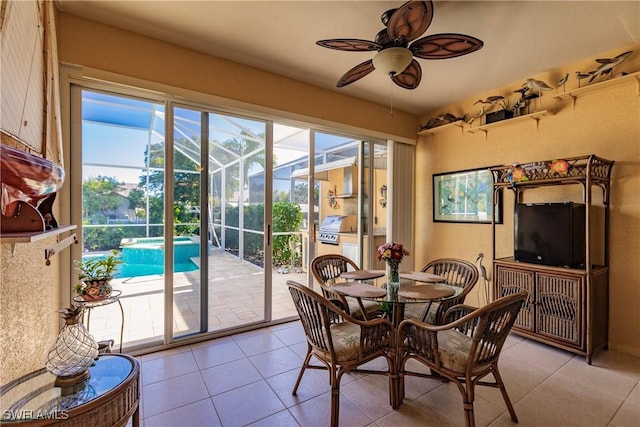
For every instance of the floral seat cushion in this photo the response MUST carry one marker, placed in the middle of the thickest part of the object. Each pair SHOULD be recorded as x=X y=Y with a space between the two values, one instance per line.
x=454 y=349
x=346 y=342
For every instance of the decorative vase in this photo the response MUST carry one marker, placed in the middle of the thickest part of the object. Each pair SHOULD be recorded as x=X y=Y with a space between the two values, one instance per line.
x=73 y=352
x=393 y=279
x=97 y=290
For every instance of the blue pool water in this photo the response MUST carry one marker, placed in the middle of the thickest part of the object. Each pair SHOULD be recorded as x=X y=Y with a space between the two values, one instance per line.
x=145 y=256
x=135 y=270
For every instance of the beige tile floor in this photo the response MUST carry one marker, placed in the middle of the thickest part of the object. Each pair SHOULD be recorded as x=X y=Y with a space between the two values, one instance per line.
x=246 y=379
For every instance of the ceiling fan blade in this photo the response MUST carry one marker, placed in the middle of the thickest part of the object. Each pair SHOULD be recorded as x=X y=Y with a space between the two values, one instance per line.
x=444 y=46
x=410 y=77
x=350 y=45
x=356 y=73
x=410 y=21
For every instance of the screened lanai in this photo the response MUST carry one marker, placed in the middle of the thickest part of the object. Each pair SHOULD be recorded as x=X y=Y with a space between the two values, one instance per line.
x=149 y=184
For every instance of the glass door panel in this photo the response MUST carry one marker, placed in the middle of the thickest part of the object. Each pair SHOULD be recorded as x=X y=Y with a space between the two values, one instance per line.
x=236 y=200
x=122 y=140
x=336 y=177
x=291 y=215
x=187 y=168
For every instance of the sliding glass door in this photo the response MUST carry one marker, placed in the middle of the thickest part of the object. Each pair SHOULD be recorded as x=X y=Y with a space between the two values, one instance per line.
x=210 y=212
x=236 y=208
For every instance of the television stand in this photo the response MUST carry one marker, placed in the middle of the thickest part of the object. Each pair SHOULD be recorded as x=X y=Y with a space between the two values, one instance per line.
x=567 y=307
x=562 y=310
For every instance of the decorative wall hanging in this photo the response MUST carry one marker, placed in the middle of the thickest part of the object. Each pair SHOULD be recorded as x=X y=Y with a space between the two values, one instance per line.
x=383 y=196
x=465 y=196
x=333 y=202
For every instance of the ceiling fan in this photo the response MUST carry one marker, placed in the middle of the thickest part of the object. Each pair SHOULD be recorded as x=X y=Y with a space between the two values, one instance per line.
x=395 y=54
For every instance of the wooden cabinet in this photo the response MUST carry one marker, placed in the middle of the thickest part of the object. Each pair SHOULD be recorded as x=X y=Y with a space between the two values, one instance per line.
x=567 y=307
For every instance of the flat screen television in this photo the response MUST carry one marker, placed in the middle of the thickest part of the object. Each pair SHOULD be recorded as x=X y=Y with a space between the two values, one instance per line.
x=550 y=234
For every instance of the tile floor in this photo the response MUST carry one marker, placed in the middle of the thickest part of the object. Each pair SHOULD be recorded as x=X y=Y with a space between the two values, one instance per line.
x=246 y=379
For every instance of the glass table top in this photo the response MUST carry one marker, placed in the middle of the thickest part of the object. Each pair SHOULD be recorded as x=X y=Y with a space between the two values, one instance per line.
x=34 y=396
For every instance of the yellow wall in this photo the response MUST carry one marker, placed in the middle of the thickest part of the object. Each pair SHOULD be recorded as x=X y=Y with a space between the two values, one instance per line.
x=605 y=123
x=90 y=44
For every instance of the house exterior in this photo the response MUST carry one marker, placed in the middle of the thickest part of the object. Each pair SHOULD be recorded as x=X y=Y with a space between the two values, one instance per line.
x=603 y=123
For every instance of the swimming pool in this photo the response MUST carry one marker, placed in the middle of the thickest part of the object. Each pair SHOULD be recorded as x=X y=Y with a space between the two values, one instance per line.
x=145 y=256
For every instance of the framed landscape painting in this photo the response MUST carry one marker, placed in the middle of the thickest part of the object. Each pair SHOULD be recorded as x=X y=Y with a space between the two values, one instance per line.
x=465 y=196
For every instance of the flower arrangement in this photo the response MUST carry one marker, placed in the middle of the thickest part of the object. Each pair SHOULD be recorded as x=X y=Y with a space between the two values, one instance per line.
x=392 y=252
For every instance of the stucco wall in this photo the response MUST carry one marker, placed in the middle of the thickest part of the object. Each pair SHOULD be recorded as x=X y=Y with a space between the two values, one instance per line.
x=605 y=123
x=29 y=301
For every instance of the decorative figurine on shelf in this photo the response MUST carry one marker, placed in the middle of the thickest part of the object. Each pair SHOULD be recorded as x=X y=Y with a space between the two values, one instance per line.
x=539 y=86
x=74 y=350
x=607 y=65
x=442 y=119
x=563 y=81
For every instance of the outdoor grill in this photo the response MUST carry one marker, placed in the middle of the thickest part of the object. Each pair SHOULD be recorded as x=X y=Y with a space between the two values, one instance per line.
x=332 y=225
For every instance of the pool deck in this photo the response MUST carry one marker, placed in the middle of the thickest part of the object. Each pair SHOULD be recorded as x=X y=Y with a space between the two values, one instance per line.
x=236 y=298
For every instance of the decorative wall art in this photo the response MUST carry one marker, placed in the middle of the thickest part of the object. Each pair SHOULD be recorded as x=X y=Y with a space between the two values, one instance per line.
x=465 y=196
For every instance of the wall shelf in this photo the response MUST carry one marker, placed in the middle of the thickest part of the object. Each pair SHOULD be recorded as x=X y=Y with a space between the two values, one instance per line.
x=441 y=128
x=33 y=236
x=537 y=116
x=595 y=87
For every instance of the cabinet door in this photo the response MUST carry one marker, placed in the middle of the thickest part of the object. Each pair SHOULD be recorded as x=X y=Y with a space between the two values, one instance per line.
x=559 y=310
x=510 y=281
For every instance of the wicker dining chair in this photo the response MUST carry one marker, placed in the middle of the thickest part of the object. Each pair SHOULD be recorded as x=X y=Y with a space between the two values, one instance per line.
x=464 y=350
x=340 y=342
x=456 y=272
x=326 y=269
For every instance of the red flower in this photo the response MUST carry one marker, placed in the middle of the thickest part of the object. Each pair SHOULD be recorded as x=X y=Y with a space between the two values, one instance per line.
x=559 y=167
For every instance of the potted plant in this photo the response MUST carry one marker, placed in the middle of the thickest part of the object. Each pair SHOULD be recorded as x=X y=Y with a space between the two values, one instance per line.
x=505 y=113
x=95 y=274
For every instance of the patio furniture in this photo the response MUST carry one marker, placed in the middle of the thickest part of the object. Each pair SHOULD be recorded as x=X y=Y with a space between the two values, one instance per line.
x=464 y=350
x=327 y=270
x=340 y=342
x=456 y=272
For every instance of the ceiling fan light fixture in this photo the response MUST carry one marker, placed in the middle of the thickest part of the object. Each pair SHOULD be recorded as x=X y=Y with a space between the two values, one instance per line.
x=392 y=60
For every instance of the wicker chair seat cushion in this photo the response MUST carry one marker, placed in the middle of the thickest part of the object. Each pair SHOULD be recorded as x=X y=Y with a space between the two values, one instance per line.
x=416 y=311
x=354 y=307
x=454 y=349
x=346 y=342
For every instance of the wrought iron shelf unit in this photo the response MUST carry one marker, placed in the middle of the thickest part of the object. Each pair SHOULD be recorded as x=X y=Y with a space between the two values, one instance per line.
x=567 y=307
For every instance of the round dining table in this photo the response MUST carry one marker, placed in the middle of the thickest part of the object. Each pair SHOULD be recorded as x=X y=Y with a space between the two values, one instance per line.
x=410 y=292
x=363 y=274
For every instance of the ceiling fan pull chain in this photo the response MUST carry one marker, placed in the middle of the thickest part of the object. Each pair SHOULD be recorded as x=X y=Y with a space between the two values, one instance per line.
x=391 y=96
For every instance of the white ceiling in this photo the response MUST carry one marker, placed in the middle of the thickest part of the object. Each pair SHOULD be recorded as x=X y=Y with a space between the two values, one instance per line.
x=521 y=39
